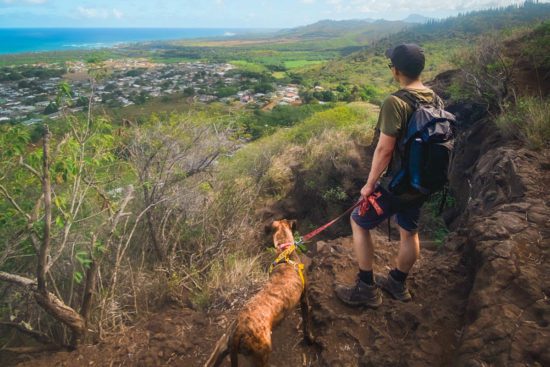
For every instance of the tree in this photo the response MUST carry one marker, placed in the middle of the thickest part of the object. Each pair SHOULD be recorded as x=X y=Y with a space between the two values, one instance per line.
x=51 y=196
x=166 y=153
x=264 y=87
x=189 y=91
x=487 y=74
x=51 y=108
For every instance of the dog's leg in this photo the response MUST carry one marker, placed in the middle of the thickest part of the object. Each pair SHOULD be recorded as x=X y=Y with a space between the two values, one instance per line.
x=220 y=352
x=234 y=352
x=260 y=359
x=306 y=317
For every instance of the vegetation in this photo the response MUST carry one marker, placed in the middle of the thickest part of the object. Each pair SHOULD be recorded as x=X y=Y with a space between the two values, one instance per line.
x=106 y=215
x=528 y=120
x=441 y=41
x=491 y=75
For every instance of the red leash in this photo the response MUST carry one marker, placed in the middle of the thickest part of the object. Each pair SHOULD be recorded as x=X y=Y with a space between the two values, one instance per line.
x=315 y=232
x=365 y=204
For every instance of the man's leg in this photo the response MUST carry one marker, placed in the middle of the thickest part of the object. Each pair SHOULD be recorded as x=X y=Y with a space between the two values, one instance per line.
x=364 y=292
x=409 y=249
x=362 y=246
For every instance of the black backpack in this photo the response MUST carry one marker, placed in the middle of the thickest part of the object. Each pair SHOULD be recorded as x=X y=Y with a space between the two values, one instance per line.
x=426 y=148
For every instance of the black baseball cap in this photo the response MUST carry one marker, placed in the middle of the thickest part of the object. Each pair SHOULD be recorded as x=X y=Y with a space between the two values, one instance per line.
x=407 y=58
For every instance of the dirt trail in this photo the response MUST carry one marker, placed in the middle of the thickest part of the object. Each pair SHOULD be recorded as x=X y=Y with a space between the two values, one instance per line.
x=390 y=335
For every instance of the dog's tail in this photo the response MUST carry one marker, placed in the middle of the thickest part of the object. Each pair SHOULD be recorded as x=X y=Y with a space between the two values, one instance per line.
x=222 y=348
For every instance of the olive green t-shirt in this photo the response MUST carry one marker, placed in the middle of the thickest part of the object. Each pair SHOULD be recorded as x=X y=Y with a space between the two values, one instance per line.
x=393 y=118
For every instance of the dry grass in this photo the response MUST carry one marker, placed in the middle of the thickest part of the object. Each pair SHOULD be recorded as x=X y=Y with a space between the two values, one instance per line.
x=231 y=280
x=529 y=121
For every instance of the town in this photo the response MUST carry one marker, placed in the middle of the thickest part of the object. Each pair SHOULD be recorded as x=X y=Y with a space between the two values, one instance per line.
x=31 y=97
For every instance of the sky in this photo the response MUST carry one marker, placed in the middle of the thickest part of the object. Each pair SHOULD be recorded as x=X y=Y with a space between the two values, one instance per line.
x=220 y=13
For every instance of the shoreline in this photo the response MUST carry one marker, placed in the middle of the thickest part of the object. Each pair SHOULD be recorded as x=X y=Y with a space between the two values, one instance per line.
x=97 y=37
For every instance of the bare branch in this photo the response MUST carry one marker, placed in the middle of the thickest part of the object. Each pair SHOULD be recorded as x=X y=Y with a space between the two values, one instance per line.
x=60 y=144
x=47 y=191
x=17 y=279
x=29 y=168
x=12 y=201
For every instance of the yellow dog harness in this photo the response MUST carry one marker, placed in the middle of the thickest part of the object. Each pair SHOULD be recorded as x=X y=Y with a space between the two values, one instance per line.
x=284 y=257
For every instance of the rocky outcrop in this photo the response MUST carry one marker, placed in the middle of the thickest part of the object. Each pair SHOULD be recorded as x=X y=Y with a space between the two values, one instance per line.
x=505 y=231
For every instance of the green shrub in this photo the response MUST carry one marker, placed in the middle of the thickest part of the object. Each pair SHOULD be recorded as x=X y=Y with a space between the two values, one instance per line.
x=529 y=121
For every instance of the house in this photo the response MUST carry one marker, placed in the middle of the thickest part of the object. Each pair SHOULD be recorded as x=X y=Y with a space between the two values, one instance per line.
x=32 y=121
x=247 y=99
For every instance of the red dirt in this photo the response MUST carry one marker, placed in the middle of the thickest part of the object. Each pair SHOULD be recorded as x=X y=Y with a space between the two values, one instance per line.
x=345 y=336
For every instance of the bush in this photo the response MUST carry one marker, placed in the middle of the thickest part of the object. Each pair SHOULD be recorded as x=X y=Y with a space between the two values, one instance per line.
x=528 y=121
x=487 y=74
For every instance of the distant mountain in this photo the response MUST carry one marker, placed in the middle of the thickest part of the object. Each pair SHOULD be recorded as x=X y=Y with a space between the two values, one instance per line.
x=416 y=18
x=328 y=26
x=341 y=28
x=439 y=37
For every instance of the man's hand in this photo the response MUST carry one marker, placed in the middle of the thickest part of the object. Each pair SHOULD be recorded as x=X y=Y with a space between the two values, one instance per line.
x=367 y=191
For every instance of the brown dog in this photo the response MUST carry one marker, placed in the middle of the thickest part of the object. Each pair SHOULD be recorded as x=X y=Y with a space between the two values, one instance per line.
x=250 y=334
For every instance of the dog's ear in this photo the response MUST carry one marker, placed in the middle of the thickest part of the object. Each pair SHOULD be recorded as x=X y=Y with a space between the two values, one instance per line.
x=293 y=223
x=269 y=228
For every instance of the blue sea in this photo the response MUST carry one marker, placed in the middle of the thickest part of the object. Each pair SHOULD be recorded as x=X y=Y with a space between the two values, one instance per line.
x=16 y=40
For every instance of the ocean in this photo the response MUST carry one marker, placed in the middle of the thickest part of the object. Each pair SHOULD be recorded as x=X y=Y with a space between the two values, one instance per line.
x=17 y=40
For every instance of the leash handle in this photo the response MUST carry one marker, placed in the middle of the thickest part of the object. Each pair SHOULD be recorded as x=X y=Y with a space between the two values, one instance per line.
x=372 y=201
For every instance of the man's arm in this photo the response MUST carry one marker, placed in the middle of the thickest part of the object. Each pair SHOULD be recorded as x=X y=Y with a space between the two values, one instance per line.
x=380 y=160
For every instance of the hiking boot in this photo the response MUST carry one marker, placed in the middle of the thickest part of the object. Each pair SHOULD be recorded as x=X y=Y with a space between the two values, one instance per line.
x=398 y=290
x=359 y=294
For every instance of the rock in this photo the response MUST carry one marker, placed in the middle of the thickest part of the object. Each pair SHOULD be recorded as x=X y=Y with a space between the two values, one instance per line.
x=320 y=246
x=455 y=242
x=488 y=229
x=512 y=222
x=538 y=217
x=504 y=249
x=520 y=207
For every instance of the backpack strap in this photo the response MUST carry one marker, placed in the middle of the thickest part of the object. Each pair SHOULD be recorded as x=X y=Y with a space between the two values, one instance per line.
x=407 y=97
x=413 y=101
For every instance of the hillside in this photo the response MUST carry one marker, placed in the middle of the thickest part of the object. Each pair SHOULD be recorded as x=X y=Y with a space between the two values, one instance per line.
x=440 y=39
x=480 y=299
x=363 y=31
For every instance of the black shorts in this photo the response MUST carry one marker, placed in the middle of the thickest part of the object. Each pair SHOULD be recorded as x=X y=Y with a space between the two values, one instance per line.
x=407 y=215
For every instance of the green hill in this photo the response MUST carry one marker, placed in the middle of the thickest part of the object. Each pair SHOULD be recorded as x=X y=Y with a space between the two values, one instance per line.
x=329 y=29
x=440 y=39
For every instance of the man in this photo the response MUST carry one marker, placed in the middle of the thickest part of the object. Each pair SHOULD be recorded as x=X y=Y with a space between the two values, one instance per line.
x=407 y=63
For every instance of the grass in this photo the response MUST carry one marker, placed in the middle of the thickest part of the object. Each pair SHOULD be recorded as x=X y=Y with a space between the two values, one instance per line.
x=332 y=132
x=294 y=64
x=528 y=121
x=435 y=226
x=230 y=281
x=249 y=66
x=280 y=75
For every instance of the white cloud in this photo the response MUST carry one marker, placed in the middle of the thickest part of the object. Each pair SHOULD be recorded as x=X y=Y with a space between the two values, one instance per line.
x=100 y=13
x=376 y=6
x=25 y=1
x=118 y=14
